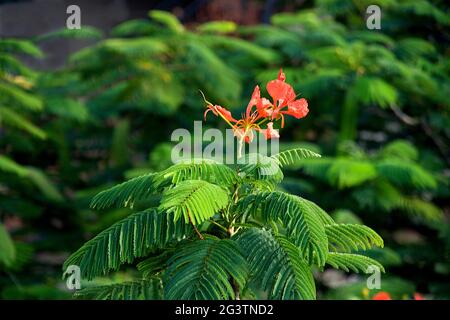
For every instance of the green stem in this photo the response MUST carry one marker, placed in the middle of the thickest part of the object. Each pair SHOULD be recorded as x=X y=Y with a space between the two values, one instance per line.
x=219 y=225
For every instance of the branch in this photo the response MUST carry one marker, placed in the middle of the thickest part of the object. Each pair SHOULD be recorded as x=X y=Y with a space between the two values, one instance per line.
x=403 y=116
x=426 y=128
x=438 y=142
x=195 y=228
x=219 y=225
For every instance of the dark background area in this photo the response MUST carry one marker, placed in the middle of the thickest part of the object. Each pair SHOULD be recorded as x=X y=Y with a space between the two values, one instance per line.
x=31 y=18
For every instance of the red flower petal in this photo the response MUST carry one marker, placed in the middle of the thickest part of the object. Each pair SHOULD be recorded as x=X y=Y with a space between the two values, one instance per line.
x=264 y=108
x=281 y=75
x=216 y=109
x=280 y=90
x=226 y=114
x=270 y=132
x=256 y=96
x=297 y=108
x=290 y=96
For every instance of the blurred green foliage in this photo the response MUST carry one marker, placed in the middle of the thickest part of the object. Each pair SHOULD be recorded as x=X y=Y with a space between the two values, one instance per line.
x=379 y=113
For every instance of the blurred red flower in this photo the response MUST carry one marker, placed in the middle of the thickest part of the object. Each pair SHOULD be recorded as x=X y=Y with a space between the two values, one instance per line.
x=382 y=296
x=418 y=296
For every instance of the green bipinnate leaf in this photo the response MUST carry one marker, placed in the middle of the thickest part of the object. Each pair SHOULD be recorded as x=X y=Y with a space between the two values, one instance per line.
x=204 y=270
x=7 y=248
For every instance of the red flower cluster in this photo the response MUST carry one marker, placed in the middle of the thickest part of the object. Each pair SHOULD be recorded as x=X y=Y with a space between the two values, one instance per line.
x=261 y=111
x=382 y=295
